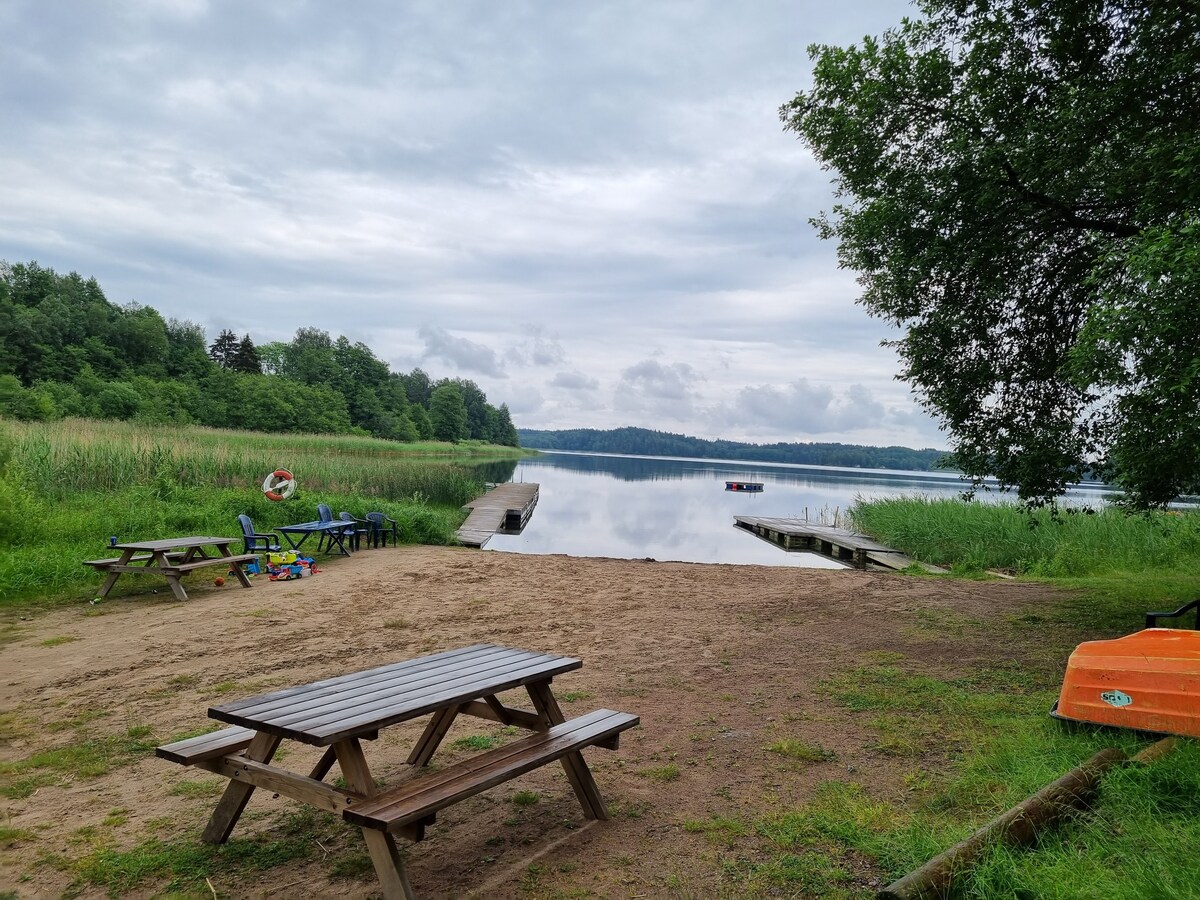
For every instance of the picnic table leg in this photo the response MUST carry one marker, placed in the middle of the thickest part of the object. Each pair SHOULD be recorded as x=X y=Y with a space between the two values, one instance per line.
x=432 y=736
x=126 y=556
x=160 y=559
x=573 y=764
x=380 y=845
x=237 y=567
x=237 y=794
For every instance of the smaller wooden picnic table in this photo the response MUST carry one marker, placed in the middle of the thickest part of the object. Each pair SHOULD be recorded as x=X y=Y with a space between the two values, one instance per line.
x=338 y=713
x=171 y=558
x=334 y=531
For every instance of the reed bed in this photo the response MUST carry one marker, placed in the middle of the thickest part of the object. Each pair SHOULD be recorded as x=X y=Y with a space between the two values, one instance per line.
x=972 y=537
x=63 y=459
x=66 y=487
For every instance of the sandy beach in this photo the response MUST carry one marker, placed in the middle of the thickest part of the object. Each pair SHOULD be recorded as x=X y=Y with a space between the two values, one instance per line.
x=719 y=661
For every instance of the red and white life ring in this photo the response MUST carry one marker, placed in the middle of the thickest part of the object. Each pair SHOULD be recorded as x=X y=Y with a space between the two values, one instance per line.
x=279 y=485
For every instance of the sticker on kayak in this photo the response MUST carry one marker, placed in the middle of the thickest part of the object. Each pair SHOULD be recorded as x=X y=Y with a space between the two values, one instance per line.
x=1116 y=698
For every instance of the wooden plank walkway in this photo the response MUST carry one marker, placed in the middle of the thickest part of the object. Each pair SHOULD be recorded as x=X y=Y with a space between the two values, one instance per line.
x=504 y=508
x=839 y=544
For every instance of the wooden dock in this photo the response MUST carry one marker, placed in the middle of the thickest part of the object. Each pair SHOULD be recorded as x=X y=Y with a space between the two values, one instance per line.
x=505 y=508
x=839 y=544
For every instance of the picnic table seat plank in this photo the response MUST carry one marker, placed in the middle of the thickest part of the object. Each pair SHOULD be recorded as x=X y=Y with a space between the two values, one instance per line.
x=142 y=557
x=417 y=799
x=380 y=697
x=207 y=561
x=190 y=751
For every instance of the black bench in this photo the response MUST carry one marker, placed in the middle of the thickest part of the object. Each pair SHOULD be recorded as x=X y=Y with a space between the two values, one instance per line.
x=415 y=802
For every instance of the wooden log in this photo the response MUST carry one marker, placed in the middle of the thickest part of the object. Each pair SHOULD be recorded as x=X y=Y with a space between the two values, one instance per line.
x=1017 y=827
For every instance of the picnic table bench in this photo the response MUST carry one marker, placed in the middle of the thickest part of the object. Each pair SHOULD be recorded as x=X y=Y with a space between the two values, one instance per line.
x=337 y=713
x=171 y=558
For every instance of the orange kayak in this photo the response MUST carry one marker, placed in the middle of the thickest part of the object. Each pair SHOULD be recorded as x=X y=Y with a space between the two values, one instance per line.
x=1149 y=681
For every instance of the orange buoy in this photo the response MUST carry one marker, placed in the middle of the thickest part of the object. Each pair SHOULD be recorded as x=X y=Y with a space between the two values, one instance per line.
x=279 y=485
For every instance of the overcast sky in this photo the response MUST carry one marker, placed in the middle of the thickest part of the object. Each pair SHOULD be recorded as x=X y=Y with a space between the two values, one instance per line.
x=590 y=209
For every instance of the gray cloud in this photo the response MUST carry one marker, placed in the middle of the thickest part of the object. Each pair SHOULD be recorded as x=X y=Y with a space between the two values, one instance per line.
x=574 y=381
x=461 y=353
x=651 y=388
x=537 y=350
x=804 y=408
x=563 y=189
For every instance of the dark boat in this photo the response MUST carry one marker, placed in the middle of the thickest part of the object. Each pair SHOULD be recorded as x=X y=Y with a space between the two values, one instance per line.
x=749 y=487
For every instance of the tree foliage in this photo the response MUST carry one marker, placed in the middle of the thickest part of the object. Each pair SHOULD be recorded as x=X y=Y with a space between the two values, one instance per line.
x=65 y=350
x=1019 y=186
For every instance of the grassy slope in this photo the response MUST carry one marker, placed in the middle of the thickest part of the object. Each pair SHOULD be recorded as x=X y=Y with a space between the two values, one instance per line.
x=65 y=487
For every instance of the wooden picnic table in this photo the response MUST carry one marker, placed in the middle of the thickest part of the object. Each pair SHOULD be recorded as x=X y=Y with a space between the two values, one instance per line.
x=335 y=531
x=338 y=713
x=172 y=558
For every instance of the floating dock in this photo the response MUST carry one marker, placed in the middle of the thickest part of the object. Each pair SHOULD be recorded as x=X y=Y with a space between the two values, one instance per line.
x=750 y=487
x=505 y=508
x=838 y=544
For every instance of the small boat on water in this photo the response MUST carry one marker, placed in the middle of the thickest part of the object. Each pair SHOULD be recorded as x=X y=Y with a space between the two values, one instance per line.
x=749 y=487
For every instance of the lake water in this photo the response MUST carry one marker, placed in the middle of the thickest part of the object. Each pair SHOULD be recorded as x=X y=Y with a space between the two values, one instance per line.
x=666 y=508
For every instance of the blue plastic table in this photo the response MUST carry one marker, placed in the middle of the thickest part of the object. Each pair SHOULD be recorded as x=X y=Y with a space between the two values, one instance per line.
x=335 y=531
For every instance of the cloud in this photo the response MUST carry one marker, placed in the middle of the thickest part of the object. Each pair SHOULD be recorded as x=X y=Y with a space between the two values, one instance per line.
x=537 y=350
x=565 y=198
x=652 y=388
x=804 y=408
x=574 y=381
x=459 y=352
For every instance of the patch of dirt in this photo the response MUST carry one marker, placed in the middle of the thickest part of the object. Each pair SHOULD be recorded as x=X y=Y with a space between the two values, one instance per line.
x=719 y=661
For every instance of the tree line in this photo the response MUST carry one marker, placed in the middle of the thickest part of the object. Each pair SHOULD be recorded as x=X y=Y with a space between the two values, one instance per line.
x=65 y=350
x=645 y=442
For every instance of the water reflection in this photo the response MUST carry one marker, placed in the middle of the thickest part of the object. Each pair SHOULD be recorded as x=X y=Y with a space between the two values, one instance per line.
x=678 y=509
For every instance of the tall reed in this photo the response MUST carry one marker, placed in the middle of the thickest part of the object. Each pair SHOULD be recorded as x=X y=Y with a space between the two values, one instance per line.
x=66 y=487
x=975 y=536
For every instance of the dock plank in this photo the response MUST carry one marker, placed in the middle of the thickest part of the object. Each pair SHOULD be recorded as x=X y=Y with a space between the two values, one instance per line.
x=839 y=544
x=504 y=507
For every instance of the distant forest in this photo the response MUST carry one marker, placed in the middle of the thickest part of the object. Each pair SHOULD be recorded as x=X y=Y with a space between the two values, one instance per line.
x=660 y=443
x=65 y=350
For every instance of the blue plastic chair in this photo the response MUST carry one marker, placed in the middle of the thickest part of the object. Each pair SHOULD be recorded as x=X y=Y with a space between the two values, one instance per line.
x=269 y=541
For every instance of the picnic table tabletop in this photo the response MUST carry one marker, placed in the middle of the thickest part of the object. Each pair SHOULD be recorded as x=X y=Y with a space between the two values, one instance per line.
x=175 y=543
x=328 y=711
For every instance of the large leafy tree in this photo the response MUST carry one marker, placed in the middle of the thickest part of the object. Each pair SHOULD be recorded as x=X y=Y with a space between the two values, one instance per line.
x=448 y=413
x=1019 y=190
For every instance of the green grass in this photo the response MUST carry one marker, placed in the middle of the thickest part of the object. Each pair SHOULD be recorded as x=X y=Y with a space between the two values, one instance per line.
x=972 y=537
x=669 y=772
x=475 y=742
x=88 y=757
x=977 y=743
x=181 y=864
x=65 y=487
